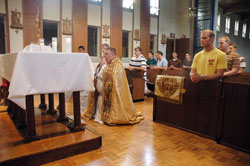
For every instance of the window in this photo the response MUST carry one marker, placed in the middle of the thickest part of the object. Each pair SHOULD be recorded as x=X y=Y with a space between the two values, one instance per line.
x=236 y=27
x=227 y=27
x=218 y=23
x=153 y=40
x=244 y=30
x=128 y=4
x=92 y=40
x=154 y=7
x=95 y=0
x=126 y=43
x=50 y=29
x=3 y=49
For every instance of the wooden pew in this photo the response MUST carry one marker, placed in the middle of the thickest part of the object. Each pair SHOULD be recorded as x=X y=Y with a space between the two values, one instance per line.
x=235 y=121
x=198 y=112
x=218 y=109
x=136 y=83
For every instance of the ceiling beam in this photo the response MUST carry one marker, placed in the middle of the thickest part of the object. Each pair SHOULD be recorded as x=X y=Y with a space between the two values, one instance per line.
x=246 y=17
x=237 y=7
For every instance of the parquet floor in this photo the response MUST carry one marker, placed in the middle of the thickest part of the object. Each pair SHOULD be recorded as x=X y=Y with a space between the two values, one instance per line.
x=152 y=144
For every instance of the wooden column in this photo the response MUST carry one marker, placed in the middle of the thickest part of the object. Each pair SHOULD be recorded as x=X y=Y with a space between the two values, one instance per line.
x=116 y=26
x=77 y=113
x=30 y=8
x=62 y=116
x=14 y=114
x=145 y=27
x=31 y=134
x=42 y=105
x=80 y=24
x=51 y=104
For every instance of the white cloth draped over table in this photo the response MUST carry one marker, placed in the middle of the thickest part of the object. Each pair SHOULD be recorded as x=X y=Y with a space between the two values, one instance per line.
x=7 y=62
x=42 y=73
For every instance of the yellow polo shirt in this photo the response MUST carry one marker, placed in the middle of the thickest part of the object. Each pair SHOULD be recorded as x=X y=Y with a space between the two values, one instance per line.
x=206 y=63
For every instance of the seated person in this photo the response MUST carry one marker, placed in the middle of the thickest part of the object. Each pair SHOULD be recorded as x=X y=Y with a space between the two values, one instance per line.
x=233 y=59
x=162 y=62
x=81 y=49
x=138 y=62
x=233 y=49
x=151 y=60
x=117 y=106
x=187 y=62
x=175 y=63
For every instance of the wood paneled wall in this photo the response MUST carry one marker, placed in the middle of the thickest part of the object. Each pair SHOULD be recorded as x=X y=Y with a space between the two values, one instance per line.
x=145 y=27
x=30 y=8
x=7 y=26
x=116 y=26
x=80 y=24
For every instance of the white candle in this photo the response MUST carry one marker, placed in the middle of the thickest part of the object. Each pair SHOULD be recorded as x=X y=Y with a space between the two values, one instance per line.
x=69 y=44
x=54 y=44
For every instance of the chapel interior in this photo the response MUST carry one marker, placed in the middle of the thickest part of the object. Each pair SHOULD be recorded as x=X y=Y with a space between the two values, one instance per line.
x=208 y=126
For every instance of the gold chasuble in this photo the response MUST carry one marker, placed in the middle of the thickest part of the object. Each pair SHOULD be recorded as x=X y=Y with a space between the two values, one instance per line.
x=117 y=105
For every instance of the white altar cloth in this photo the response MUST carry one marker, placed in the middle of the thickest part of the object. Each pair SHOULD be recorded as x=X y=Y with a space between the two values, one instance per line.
x=7 y=62
x=42 y=73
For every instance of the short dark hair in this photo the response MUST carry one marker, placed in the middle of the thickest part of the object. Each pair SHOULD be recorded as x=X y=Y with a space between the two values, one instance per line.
x=81 y=47
x=234 y=45
x=151 y=52
x=159 y=52
x=105 y=45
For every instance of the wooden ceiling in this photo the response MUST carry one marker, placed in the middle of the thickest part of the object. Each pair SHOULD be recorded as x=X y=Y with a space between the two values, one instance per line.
x=241 y=7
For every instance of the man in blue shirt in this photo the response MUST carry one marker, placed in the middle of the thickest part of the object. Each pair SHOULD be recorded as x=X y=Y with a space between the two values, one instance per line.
x=162 y=62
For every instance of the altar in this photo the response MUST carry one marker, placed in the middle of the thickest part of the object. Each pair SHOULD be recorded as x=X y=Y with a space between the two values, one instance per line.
x=35 y=73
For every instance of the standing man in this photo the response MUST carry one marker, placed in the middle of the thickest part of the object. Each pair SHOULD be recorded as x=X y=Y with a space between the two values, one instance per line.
x=233 y=59
x=151 y=60
x=162 y=62
x=233 y=49
x=210 y=63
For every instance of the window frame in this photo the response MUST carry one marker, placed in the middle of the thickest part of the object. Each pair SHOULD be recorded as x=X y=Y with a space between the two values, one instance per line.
x=236 y=27
x=244 y=30
x=97 y=57
x=218 y=22
x=156 y=7
x=130 y=8
x=227 y=25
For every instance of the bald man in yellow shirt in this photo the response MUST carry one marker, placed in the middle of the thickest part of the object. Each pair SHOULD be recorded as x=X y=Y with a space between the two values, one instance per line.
x=210 y=63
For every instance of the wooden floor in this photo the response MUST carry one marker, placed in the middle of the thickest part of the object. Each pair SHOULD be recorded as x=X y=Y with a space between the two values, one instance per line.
x=56 y=141
x=149 y=143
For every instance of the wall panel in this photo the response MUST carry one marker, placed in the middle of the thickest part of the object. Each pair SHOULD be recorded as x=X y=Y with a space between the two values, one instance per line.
x=80 y=24
x=30 y=32
x=145 y=27
x=116 y=26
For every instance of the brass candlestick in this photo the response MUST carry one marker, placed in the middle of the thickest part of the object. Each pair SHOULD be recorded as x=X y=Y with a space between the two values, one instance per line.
x=38 y=26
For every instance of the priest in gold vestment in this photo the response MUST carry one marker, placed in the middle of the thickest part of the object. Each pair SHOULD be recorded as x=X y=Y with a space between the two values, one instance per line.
x=117 y=105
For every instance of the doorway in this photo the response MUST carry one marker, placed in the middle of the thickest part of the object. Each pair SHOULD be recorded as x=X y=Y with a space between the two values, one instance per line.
x=3 y=49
